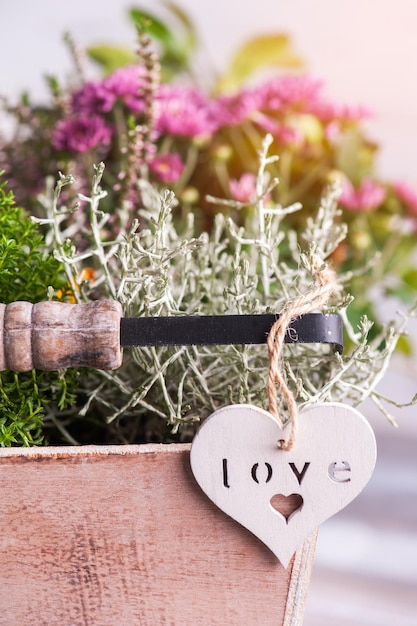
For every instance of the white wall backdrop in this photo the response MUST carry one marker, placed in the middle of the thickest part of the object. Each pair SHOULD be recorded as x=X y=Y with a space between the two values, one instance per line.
x=364 y=50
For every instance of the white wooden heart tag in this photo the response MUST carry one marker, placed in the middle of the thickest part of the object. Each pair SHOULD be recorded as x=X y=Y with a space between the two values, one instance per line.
x=280 y=496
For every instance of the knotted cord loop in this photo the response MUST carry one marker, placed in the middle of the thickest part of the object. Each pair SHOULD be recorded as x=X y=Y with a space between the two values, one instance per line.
x=325 y=284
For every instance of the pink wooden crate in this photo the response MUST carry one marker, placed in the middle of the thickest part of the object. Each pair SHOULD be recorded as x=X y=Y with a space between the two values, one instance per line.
x=106 y=535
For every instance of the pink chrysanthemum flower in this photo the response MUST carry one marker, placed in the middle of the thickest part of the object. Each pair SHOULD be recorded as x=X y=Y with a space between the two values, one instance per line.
x=261 y=103
x=407 y=194
x=283 y=96
x=244 y=189
x=283 y=92
x=125 y=84
x=167 y=167
x=284 y=133
x=368 y=196
x=184 y=111
x=235 y=109
x=273 y=104
x=81 y=134
x=329 y=112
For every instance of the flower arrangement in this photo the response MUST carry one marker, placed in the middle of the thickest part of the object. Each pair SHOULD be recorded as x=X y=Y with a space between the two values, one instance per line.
x=201 y=141
x=229 y=236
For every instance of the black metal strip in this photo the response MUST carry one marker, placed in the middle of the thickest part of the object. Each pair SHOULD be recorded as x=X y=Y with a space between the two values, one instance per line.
x=228 y=329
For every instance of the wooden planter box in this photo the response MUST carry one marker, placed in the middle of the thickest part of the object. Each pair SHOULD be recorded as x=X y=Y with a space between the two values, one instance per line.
x=105 y=535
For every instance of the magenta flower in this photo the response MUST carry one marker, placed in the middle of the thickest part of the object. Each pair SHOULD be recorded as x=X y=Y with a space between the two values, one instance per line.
x=407 y=194
x=93 y=98
x=283 y=92
x=232 y=110
x=284 y=134
x=273 y=105
x=122 y=85
x=244 y=189
x=184 y=111
x=167 y=167
x=303 y=94
x=125 y=85
x=260 y=104
x=329 y=112
x=81 y=134
x=282 y=96
x=366 y=197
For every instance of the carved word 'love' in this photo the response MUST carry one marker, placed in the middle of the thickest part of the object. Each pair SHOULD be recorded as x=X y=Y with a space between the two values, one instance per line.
x=281 y=497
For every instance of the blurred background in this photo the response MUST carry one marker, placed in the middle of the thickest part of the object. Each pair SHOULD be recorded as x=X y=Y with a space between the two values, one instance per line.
x=366 y=566
x=365 y=54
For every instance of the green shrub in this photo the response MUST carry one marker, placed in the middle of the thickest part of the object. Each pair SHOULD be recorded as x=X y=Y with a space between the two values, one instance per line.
x=26 y=272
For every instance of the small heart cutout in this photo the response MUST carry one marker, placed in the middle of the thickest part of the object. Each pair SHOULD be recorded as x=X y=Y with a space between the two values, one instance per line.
x=286 y=505
x=237 y=463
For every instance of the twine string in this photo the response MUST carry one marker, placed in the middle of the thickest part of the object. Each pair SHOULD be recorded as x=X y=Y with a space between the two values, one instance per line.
x=325 y=284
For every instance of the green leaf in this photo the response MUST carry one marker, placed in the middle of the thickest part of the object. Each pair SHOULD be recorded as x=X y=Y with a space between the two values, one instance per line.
x=111 y=57
x=410 y=278
x=176 y=49
x=257 y=54
x=155 y=28
x=404 y=346
x=402 y=292
x=190 y=32
x=354 y=156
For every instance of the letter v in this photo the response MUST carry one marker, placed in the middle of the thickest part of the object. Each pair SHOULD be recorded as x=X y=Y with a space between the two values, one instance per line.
x=299 y=475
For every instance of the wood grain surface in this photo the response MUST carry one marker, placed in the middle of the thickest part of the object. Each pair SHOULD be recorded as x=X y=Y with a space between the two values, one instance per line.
x=54 y=335
x=123 y=535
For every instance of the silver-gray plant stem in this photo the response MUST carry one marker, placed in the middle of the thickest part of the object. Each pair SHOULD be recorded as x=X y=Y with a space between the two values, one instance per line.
x=155 y=267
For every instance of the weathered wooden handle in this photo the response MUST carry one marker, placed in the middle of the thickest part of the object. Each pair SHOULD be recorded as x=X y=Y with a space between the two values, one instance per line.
x=56 y=335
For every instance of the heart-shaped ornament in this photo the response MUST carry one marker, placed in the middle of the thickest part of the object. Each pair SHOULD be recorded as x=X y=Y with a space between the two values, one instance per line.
x=280 y=496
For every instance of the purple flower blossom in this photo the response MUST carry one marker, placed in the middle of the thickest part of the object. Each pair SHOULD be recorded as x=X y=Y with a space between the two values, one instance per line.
x=81 y=134
x=188 y=112
x=93 y=98
x=167 y=167
x=100 y=96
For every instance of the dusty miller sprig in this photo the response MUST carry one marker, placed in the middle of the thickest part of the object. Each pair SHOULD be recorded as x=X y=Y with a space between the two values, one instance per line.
x=154 y=268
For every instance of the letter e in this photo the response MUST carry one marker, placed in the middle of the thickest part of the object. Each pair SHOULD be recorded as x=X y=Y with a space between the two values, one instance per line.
x=338 y=472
